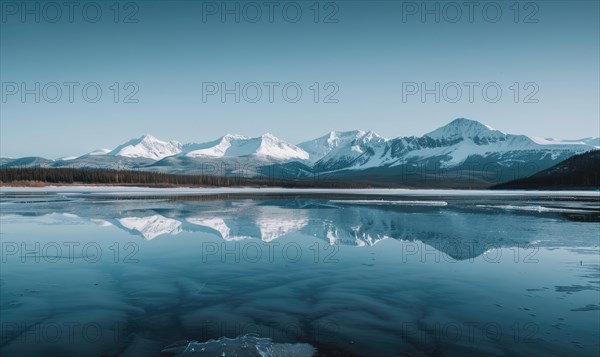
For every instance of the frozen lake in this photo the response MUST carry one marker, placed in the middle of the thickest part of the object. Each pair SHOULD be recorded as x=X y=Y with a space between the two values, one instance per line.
x=131 y=271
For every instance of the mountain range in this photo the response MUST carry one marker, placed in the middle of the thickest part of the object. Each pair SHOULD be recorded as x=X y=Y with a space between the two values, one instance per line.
x=463 y=153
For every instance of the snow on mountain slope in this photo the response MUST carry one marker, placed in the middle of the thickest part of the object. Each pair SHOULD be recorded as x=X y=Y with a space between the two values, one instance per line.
x=552 y=141
x=462 y=138
x=322 y=146
x=148 y=147
x=66 y=158
x=457 y=153
x=345 y=148
x=266 y=147
x=99 y=152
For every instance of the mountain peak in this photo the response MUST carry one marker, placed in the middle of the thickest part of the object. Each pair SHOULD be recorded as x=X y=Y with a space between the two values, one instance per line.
x=468 y=123
x=341 y=144
x=464 y=120
x=464 y=128
x=147 y=146
x=147 y=137
x=266 y=146
x=273 y=147
x=270 y=138
x=371 y=135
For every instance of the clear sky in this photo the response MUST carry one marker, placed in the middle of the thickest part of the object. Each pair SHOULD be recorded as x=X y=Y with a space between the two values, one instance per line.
x=371 y=60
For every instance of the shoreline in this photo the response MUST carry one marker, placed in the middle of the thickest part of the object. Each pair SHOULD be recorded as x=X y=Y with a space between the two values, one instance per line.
x=207 y=190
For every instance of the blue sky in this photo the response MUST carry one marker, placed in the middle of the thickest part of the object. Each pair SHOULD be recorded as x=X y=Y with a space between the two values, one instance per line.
x=371 y=61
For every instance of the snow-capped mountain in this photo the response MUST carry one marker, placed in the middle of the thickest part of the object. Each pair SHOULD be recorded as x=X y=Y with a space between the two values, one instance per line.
x=464 y=139
x=267 y=147
x=148 y=147
x=340 y=149
x=450 y=145
x=357 y=154
x=321 y=147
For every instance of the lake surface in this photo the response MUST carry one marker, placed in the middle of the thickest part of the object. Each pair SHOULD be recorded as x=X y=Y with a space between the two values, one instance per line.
x=142 y=272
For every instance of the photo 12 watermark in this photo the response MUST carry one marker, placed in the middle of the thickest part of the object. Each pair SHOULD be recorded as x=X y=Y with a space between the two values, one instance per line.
x=268 y=252
x=72 y=12
x=470 y=92
x=68 y=252
x=470 y=12
x=291 y=12
x=70 y=92
x=270 y=92
x=443 y=251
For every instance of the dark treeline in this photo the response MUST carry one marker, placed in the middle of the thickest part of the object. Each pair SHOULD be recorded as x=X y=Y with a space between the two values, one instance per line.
x=581 y=171
x=142 y=178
